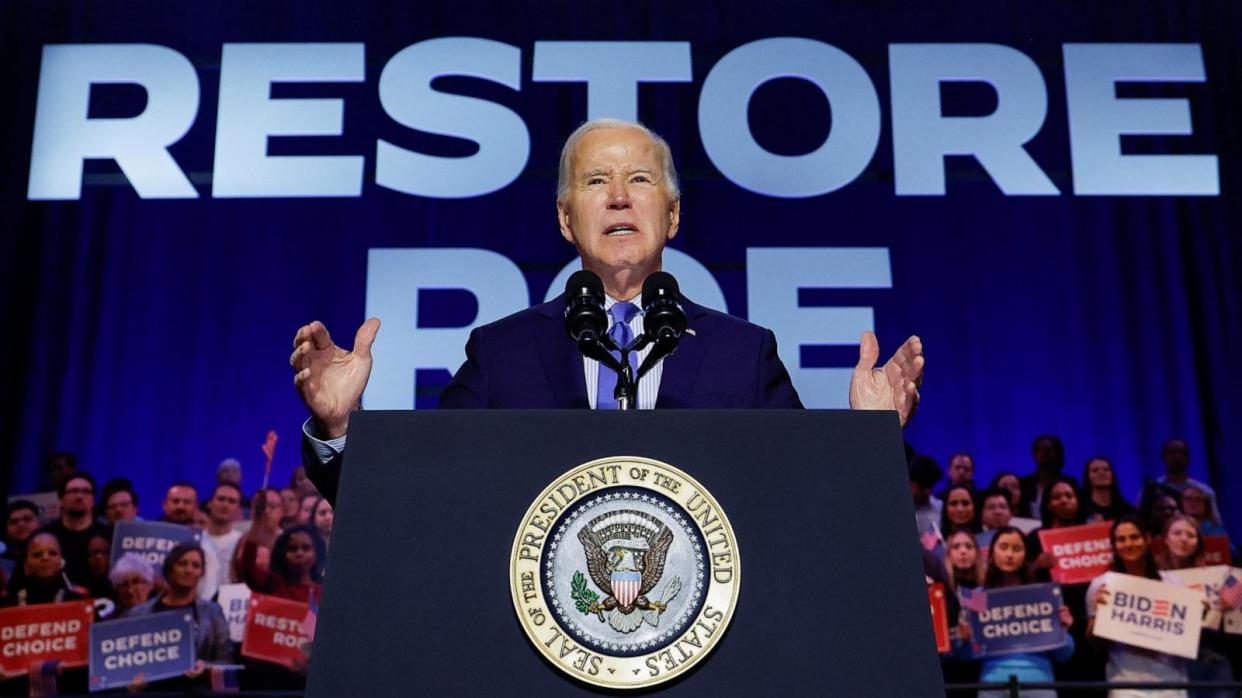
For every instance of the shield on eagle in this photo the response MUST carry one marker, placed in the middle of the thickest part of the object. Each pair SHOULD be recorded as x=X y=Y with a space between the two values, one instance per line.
x=625 y=586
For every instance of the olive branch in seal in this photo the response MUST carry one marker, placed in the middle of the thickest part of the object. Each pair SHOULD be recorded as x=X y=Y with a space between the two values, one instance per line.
x=582 y=596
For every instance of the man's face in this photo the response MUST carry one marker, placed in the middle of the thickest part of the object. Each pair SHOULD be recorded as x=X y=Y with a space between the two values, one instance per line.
x=618 y=212
x=229 y=473
x=1176 y=457
x=58 y=469
x=21 y=523
x=961 y=469
x=79 y=498
x=223 y=505
x=120 y=507
x=996 y=511
x=1045 y=454
x=179 y=504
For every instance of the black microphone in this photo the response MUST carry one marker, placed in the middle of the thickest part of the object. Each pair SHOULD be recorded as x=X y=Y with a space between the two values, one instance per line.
x=585 y=318
x=663 y=318
x=664 y=321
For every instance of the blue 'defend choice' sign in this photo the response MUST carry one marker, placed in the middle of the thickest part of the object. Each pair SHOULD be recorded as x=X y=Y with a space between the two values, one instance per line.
x=150 y=539
x=1016 y=619
x=157 y=646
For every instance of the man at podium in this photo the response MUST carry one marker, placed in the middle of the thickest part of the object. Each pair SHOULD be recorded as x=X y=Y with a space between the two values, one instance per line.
x=618 y=203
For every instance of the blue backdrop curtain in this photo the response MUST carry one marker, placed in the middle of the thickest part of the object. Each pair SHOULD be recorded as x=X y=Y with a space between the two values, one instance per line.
x=151 y=337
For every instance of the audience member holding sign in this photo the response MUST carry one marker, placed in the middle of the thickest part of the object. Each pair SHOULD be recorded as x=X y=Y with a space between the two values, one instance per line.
x=1132 y=556
x=1008 y=567
x=1183 y=550
x=184 y=567
x=41 y=577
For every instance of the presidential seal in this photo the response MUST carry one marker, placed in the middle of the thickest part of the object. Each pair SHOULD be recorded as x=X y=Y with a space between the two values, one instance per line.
x=624 y=572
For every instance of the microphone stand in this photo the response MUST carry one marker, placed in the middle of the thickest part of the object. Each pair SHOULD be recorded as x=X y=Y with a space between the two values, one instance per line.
x=626 y=392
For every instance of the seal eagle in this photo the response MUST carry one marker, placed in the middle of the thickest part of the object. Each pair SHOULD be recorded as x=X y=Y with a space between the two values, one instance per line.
x=625 y=554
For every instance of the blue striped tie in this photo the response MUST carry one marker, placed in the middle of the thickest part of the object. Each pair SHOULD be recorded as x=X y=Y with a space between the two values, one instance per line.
x=623 y=336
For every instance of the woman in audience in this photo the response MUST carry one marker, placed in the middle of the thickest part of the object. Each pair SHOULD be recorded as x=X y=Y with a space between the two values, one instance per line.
x=1013 y=485
x=297 y=566
x=1132 y=555
x=323 y=516
x=1101 y=492
x=98 y=557
x=1007 y=567
x=264 y=529
x=1197 y=504
x=40 y=578
x=961 y=510
x=1183 y=549
x=296 y=573
x=963 y=561
x=1061 y=508
x=133 y=579
x=292 y=502
x=183 y=571
x=307 y=507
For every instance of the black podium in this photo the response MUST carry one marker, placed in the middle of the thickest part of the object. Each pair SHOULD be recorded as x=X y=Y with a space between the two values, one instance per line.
x=417 y=599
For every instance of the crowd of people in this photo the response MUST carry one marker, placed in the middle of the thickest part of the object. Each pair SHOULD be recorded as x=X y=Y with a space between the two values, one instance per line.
x=988 y=538
x=275 y=541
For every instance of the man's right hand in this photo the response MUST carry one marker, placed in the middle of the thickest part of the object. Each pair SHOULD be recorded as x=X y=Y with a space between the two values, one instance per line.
x=330 y=379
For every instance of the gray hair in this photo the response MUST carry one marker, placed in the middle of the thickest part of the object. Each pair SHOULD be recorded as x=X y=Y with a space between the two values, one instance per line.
x=228 y=463
x=669 y=180
x=131 y=563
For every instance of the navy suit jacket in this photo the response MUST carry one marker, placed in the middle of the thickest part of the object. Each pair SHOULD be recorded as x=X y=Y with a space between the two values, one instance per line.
x=528 y=361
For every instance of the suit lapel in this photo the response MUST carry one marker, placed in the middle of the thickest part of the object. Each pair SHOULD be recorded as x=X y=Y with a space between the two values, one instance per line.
x=681 y=368
x=562 y=364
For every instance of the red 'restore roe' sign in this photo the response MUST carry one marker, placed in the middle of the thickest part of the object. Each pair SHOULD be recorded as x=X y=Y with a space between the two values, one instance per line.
x=275 y=630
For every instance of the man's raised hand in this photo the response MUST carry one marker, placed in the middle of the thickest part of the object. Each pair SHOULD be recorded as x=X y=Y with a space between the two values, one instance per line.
x=893 y=387
x=330 y=380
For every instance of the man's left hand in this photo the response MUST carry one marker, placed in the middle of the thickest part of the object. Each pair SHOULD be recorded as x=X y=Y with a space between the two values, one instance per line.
x=893 y=387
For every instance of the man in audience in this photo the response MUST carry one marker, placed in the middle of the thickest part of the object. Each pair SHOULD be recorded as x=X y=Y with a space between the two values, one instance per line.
x=57 y=467
x=1176 y=457
x=119 y=500
x=77 y=525
x=925 y=472
x=996 y=511
x=1049 y=455
x=222 y=515
x=180 y=504
x=961 y=472
x=230 y=471
x=21 y=520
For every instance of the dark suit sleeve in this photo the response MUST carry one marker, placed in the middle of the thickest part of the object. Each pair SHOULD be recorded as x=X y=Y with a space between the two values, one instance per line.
x=468 y=389
x=325 y=476
x=774 y=389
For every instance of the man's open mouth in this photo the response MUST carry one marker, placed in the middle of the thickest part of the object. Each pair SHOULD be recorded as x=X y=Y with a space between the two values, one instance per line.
x=621 y=229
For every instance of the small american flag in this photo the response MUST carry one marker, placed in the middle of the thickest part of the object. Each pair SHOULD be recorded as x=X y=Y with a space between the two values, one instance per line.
x=269 y=453
x=312 y=616
x=1231 y=592
x=975 y=600
x=43 y=677
x=224 y=677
